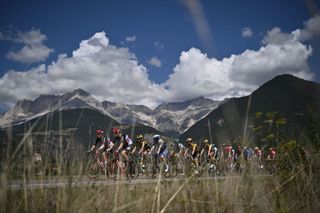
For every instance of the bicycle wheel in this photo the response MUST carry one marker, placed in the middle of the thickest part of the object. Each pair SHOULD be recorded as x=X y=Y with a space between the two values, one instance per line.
x=92 y=169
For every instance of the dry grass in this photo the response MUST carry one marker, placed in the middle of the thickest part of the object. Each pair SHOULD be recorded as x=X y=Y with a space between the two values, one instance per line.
x=294 y=190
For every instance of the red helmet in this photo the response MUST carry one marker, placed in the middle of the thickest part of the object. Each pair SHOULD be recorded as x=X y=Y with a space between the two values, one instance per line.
x=99 y=132
x=115 y=130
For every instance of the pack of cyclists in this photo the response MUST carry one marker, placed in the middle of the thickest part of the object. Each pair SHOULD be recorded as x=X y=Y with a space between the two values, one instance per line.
x=120 y=148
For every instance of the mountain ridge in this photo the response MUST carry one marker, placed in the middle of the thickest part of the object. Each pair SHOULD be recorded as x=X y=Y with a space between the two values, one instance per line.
x=171 y=118
x=286 y=97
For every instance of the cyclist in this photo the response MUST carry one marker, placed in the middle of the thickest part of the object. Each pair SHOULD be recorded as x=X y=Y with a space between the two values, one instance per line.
x=257 y=153
x=179 y=149
x=99 y=140
x=142 y=147
x=161 y=149
x=193 y=151
x=257 y=156
x=247 y=153
x=215 y=154
x=272 y=154
x=106 y=147
x=124 y=144
x=207 y=148
x=228 y=152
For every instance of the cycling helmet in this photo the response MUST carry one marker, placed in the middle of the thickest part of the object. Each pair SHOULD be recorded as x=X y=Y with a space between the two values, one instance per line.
x=206 y=141
x=256 y=148
x=156 y=137
x=99 y=132
x=140 y=136
x=189 y=140
x=115 y=130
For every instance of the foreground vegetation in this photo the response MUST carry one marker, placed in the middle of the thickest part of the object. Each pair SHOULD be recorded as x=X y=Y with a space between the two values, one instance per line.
x=294 y=188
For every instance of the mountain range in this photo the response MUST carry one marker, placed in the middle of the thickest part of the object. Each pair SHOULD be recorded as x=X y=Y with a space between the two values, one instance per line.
x=170 y=118
x=285 y=106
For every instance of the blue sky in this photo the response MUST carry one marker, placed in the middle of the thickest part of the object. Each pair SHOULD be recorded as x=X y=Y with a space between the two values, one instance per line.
x=163 y=30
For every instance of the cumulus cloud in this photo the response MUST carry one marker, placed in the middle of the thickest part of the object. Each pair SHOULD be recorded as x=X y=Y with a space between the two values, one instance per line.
x=108 y=72
x=154 y=61
x=114 y=73
x=246 y=32
x=281 y=53
x=311 y=29
x=197 y=75
x=277 y=37
x=33 y=49
x=130 y=38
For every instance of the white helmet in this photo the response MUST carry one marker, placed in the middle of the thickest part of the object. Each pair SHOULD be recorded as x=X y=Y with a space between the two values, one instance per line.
x=156 y=137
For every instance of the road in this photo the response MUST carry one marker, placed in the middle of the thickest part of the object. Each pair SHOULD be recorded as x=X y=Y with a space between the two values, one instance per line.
x=84 y=181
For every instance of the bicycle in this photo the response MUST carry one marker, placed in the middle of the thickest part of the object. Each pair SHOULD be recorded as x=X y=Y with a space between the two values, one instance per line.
x=122 y=167
x=158 y=167
x=94 y=166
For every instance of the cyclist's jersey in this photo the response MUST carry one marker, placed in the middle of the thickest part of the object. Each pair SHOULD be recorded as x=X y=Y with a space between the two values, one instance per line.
x=100 y=141
x=116 y=140
x=227 y=151
x=194 y=146
x=107 y=144
x=207 y=147
x=216 y=153
x=127 y=142
x=139 y=144
x=180 y=147
x=272 y=155
x=163 y=145
x=258 y=154
x=247 y=153
x=156 y=146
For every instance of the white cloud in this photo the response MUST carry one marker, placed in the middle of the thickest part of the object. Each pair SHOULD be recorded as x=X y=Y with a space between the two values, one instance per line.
x=246 y=32
x=251 y=68
x=33 y=50
x=30 y=54
x=108 y=72
x=113 y=73
x=311 y=29
x=130 y=38
x=154 y=61
x=277 y=37
x=197 y=75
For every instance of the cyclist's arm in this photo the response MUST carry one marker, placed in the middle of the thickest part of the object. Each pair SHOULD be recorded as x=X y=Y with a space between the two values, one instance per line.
x=209 y=150
x=181 y=151
x=142 y=147
x=159 y=148
x=232 y=154
x=152 y=148
x=101 y=147
x=186 y=152
x=120 y=146
x=193 y=150
x=202 y=150
x=133 y=150
x=111 y=146
x=93 y=147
